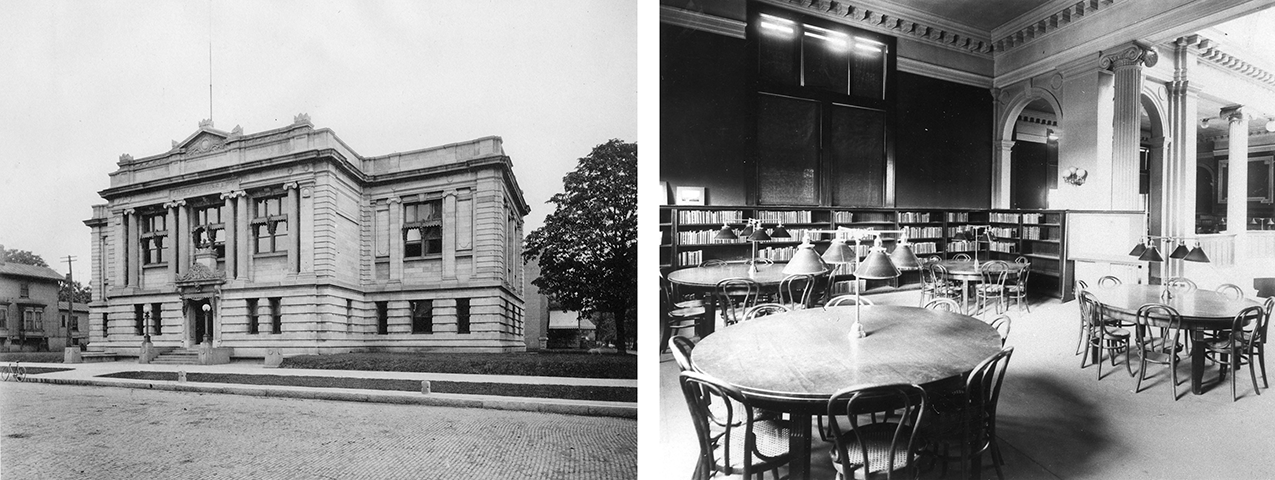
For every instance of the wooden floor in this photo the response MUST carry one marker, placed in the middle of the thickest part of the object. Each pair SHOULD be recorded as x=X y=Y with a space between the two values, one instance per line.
x=1059 y=421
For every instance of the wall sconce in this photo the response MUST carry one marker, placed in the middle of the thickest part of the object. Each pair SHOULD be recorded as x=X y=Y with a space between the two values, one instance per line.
x=1076 y=176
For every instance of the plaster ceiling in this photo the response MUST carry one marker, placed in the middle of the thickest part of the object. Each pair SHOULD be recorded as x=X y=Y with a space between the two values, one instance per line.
x=982 y=15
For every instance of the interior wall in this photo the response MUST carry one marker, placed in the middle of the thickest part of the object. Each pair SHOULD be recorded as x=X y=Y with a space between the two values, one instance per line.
x=1029 y=185
x=943 y=146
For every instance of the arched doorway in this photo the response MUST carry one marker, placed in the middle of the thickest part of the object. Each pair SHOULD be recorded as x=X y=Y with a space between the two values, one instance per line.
x=1034 y=156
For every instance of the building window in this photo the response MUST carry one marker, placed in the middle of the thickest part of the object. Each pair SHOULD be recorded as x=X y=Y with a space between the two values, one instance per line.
x=422 y=228
x=24 y=290
x=138 y=318
x=157 y=323
x=349 y=315
x=276 y=316
x=423 y=316
x=4 y=317
x=106 y=326
x=382 y=318
x=462 y=315
x=75 y=323
x=252 y=316
x=209 y=230
x=63 y=320
x=154 y=231
x=270 y=226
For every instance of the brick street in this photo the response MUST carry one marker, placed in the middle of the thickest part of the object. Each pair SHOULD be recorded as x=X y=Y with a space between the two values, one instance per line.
x=56 y=431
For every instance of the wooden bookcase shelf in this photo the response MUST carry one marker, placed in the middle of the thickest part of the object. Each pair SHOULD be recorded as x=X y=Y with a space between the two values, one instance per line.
x=687 y=235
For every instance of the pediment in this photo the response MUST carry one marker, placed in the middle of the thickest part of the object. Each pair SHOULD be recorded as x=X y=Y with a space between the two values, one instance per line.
x=205 y=139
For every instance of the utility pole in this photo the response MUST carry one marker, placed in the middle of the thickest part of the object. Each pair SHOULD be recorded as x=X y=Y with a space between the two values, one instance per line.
x=70 y=300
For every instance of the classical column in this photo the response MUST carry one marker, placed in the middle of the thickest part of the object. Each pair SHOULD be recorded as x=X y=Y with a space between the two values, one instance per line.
x=294 y=227
x=1237 y=178
x=130 y=246
x=396 y=239
x=181 y=238
x=449 y=235
x=170 y=223
x=1178 y=177
x=1126 y=65
x=228 y=219
x=1002 y=168
x=245 y=239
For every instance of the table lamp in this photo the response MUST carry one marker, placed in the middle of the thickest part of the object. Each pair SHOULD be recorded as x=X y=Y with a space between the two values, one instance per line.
x=805 y=261
x=876 y=266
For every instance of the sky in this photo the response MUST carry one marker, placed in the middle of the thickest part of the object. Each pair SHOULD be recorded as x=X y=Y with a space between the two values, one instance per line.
x=83 y=82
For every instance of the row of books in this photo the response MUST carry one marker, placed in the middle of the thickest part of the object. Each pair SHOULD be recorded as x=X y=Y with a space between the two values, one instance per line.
x=914 y=217
x=923 y=232
x=958 y=216
x=693 y=257
x=1036 y=233
x=1004 y=247
x=710 y=216
x=799 y=216
x=1003 y=217
x=702 y=237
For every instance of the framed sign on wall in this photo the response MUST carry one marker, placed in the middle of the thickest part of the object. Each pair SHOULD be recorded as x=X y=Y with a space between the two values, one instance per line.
x=690 y=196
x=1261 y=179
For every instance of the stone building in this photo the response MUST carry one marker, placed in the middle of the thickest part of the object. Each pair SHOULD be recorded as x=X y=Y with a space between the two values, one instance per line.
x=288 y=242
x=31 y=317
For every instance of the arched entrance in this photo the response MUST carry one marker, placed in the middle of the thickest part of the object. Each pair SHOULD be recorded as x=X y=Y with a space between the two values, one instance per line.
x=1034 y=156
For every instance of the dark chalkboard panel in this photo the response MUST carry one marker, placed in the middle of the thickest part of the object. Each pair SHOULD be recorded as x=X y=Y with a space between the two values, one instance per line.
x=856 y=148
x=787 y=150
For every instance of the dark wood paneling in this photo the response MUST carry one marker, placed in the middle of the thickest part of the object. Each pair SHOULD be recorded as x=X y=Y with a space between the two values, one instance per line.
x=1028 y=174
x=943 y=149
x=704 y=125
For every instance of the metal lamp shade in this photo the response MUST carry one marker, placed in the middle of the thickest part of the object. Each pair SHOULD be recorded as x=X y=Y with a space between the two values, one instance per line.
x=1197 y=255
x=758 y=235
x=725 y=234
x=1138 y=250
x=877 y=266
x=1180 y=252
x=904 y=259
x=748 y=230
x=780 y=232
x=839 y=253
x=805 y=261
x=1151 y=255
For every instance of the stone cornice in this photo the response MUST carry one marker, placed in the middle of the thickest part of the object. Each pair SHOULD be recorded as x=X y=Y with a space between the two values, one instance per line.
x=703 y=22
x=891 y=21
x=943 y=73
x=1211 y=52
x=1048 y=24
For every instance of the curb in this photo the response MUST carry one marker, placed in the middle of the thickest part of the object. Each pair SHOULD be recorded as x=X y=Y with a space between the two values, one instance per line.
x=546 y=405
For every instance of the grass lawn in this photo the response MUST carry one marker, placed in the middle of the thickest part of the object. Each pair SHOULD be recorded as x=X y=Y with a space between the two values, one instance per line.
x=610 y=394
x=579 y=365
x=37 y=357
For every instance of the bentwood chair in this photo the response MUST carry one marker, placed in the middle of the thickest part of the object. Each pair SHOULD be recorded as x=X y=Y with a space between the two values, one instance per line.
x=1260 y=344
x=967 y=417
x=844 y=300
x=945 y=304
x=1017 y=291
x=1181 y=284
x=733 y=440
x=1158 y=343
x=1080 y=342
x=795 y=291
x=876 y=449
x=1231 y=291
x=680 y=319
x=735 y=296
x=1108 y=281
x=1002 y=324
x=681 y=348
x=712 y=262
x=1101 y=336
x=1021 y=260
x=935 y=283
x=1238 y=346
x=764 y=309
x=962 y=257
x=992 y=290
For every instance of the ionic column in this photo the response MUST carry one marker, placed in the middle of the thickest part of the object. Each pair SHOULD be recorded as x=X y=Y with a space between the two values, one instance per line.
x=132 y=246
x=170 y=222
x=1237 y=176
x=396 y=239
x=181 y=238
x=1002 y=168
x=1178 y=177
x=245 y=239
x=229 y=220
x=1126 y=65
x=294 y=227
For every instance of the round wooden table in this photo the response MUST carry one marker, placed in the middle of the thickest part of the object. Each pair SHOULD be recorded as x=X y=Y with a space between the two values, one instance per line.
x=794 y=362
x=1200 y=310
x=967 y=270
x=705 y=279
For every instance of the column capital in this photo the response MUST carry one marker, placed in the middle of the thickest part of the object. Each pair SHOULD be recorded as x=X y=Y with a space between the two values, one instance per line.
x=1188 y=40
x=175 y=204
x=1234 y=113
x=129 y=211
x=393 y=200
x=290 y=185
x=1132 y=55
x=1183 y=87
x=1007 y=144
x=233 y=194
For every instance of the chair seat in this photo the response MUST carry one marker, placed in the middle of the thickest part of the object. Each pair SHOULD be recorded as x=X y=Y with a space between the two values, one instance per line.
x=1160 y=357
x=772 y=442
x=1115 y=333
x=877 y=438
x=687 y=312
x=689 y=303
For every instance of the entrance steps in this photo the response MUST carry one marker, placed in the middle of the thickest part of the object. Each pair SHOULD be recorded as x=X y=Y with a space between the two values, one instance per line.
x=177 y=356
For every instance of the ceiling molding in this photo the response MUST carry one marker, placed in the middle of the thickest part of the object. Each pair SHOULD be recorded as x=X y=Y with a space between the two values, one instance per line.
x=703 y=22
x=943 y=73
x=1210 y=51
x=890 y=21
x=1050 y=24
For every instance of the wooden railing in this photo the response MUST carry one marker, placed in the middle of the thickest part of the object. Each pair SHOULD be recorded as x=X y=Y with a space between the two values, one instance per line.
x=1220 y=247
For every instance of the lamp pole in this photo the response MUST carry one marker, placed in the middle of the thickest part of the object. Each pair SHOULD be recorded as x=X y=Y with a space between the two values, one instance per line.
x=207 y=323
x=146 y=332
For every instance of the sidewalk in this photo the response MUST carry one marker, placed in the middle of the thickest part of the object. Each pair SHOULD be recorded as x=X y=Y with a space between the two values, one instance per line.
x=90 y=374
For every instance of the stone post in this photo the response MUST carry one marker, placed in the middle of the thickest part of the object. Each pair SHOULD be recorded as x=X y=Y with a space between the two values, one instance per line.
x=229 y=220
x=449 y=235
x=1237 y=176
x=396 y=239
x=245 y=239
x=170 y=222
x=181 y=238
x=294 y=227
x=133 y=247
x=1126 y=64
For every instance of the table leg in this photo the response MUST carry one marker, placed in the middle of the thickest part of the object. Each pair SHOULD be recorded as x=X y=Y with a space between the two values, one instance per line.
x=799 y=446
x=1197 y=361
x=708 y=323
x=965 y=296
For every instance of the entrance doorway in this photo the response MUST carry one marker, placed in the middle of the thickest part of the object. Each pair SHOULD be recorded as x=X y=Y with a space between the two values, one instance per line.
x=197 y=321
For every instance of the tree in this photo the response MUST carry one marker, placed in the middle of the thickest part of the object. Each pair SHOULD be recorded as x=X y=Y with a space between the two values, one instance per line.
x=587 y=248
x=24 y=257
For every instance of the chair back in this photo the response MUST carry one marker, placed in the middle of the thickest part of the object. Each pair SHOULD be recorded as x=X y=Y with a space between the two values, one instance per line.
x=933 y=259
x=1108 y=281
x=994 y=273
x=876 y=447
x=1021 y=260
x=721 y=416
x=943 y=304
x=736 y=295
x=843 y=300
x=1158 y=336
x=1090 y=309
x=1254 y=316
x=681 y=348
x=1181 y=284
x=764 y=309
x=1002 y=324
x=795 y=290
x=1231 y=291
x=982 y=395
x=1080 y=287
x=941 y=276
x=961 y=256
x=712 y=262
